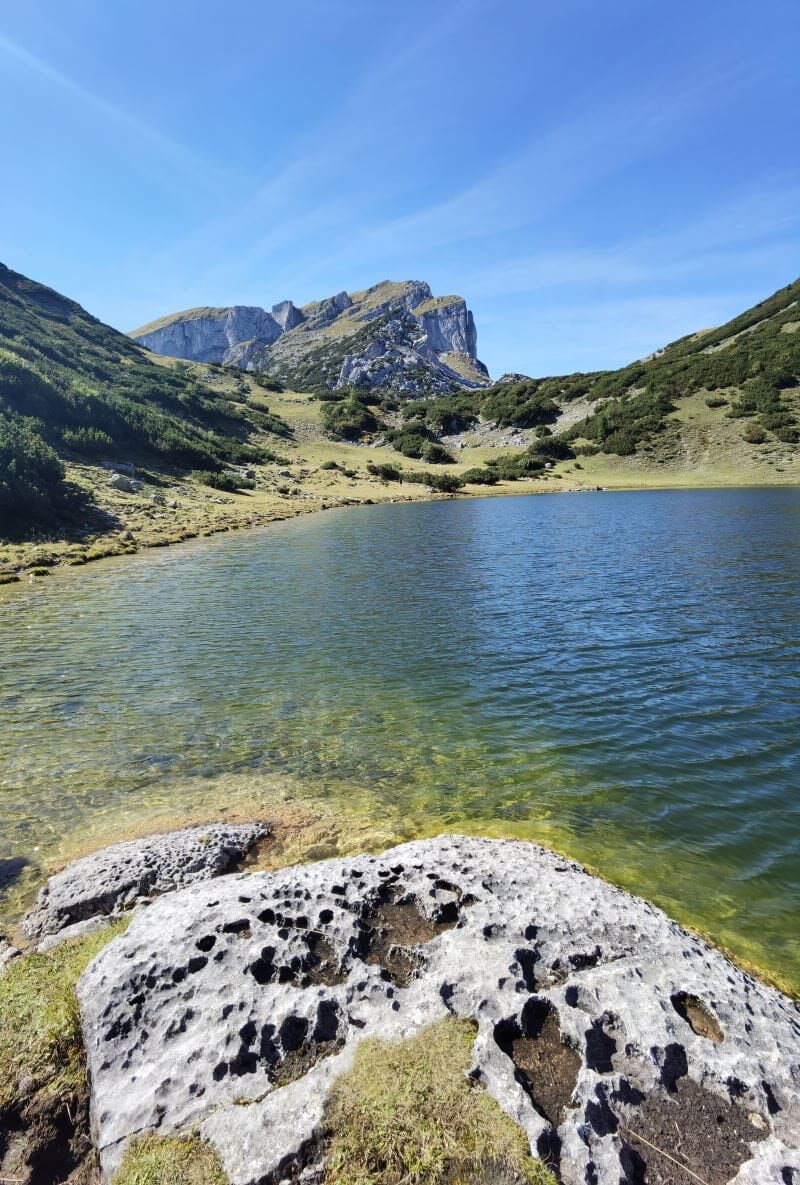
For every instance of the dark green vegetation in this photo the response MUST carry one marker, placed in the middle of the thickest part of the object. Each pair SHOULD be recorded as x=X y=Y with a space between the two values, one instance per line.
x=752 y=363
x=346 y=415
x=230 y=482
x=71 y=387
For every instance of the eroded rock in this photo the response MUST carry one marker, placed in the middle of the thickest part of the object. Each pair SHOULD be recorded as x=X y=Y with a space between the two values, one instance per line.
x=116 y=877
x=232 y=1006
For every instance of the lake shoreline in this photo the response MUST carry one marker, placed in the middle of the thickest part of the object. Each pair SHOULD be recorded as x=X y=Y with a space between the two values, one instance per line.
x=109 y=546
x=294 y=840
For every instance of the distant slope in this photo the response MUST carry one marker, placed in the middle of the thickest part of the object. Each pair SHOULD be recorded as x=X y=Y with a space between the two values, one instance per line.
x=394 y=336
x=726 y=397
x=73 y=387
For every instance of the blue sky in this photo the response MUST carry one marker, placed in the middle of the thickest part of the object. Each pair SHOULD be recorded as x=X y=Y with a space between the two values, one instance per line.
x=596 y=179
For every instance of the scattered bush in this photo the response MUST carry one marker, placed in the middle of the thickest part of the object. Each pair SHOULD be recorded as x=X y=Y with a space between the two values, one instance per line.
x=386 y=472
x=754 y=434
x=444 y=483
x=518 y=404
x=32 y=478
x=437 y=454
x=269 y=384
x=348 y=418
x=411 y=440
x=480 y=477
x=231 y=483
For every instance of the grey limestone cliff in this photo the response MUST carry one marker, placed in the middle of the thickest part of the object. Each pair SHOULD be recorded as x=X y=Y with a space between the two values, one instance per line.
x=396 y=336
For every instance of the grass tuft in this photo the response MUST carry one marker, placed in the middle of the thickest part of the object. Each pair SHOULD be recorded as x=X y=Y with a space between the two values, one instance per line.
x=40 y=1028
x=160 y=1160
x=407 y=1113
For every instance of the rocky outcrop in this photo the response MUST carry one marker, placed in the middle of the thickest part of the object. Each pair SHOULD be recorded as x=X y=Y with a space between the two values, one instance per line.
x=615 y=1038
x=287 y=315
x=448 y=328
x=115 y=878
x=394 y=336
x=209 y=335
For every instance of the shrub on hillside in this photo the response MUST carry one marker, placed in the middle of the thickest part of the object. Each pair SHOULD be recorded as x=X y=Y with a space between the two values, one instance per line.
x=480 y=477
x=386 y=472
x=444 y=483
x=410 y=441
x=32 y=485
x=232 y=483
x=437 y=454
x=520 y=404
x=348 y=418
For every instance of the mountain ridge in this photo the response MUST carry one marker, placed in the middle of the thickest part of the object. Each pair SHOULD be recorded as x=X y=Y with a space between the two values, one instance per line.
x=394 y=335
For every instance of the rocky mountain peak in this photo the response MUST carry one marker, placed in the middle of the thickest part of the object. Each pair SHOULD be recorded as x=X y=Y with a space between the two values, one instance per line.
x=394 y=335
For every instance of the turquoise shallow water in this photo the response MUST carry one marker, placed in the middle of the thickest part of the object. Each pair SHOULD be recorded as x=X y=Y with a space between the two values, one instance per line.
x=616 y=675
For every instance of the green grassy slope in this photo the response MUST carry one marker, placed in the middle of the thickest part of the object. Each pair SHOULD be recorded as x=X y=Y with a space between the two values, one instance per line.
x=71 y=387
x=727 y=398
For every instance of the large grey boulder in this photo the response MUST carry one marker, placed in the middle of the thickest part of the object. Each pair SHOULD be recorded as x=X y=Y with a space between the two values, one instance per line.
x=605 y=1030
x=116 y=877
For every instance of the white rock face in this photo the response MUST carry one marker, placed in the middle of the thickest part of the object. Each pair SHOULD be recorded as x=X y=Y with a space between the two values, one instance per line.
x=233 y=1005
x=450 y=330
x=114 y=878
x=287 y=315
x=403 y=339
x=210 y=336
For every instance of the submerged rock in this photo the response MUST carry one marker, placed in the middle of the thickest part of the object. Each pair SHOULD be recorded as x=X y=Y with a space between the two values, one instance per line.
x=116 y=877
x=614 y=1037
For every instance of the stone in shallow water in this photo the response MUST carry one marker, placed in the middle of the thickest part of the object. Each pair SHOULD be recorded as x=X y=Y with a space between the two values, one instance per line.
x=233 y=1006
x=116 y=877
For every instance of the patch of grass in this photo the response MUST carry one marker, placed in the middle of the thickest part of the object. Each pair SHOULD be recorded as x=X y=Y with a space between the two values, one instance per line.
x=407 y=1113
x=160 y=1160
x=40 y=1030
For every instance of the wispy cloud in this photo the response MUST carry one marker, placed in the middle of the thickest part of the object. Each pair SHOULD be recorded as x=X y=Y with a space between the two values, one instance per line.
x=174 y=153
x=732 y=236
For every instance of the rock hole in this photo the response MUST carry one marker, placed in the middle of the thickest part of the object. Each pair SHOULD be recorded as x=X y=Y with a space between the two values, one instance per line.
x=240 y=926
x=698 y=1129
x=390 y=929
x=600 y=1048
x=527 y=960
x=673 y=1066
x=698 y=1016
x=546 y=1066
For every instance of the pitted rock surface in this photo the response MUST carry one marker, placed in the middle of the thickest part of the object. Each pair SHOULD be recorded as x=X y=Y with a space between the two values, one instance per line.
x=116 y=877
x=604 y=1028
